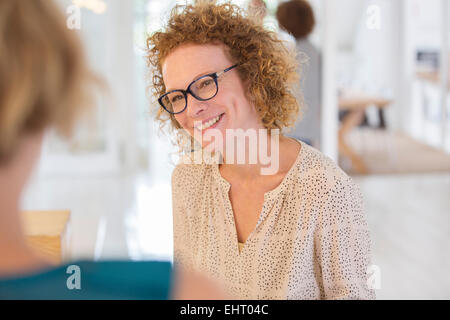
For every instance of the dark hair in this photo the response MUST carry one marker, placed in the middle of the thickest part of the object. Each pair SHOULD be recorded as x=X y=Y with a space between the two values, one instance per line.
x=296 y=17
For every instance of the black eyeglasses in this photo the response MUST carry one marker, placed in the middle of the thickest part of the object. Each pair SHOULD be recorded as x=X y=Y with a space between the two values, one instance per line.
x=203 y=89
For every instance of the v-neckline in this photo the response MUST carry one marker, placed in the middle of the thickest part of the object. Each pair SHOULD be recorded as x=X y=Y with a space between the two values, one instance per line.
x=267 y=196
x=278 y=188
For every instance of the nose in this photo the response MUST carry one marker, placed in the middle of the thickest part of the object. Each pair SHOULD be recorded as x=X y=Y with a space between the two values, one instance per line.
x=195 y=108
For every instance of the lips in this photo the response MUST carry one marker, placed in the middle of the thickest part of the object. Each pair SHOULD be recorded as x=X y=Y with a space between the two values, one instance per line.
x=208 y=123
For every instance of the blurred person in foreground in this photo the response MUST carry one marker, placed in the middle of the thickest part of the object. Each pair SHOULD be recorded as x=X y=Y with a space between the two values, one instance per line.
x=297 y=18
x=45 y=83
x=296 y=232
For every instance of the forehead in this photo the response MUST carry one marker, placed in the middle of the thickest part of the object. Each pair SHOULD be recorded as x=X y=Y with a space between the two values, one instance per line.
x=189 y=61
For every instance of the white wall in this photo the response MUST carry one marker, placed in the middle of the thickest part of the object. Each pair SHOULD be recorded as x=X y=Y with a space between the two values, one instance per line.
x=108 y=42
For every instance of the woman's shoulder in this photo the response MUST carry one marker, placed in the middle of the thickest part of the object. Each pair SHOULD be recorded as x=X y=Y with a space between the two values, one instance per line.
x=190 y=174
x=189 y=170
x=315 y=164
x=93 y=280
x=338 y=195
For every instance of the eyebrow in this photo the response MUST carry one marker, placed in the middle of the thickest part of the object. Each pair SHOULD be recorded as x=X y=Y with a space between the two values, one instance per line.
x=193 y=79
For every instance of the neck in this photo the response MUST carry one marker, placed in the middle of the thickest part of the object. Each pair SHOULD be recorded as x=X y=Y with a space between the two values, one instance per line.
x=14 y=174
x=16 y=256
x=11 y=233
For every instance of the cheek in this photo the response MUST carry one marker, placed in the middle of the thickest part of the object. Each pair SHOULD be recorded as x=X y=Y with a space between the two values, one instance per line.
x=182 y=121
x=240 y=107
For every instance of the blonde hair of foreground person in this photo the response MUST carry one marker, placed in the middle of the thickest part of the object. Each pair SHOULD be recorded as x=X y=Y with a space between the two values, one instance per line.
x=44 y=83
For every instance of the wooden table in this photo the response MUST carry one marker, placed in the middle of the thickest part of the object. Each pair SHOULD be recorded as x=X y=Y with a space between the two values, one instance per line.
x=356 y=105
x=48 y=232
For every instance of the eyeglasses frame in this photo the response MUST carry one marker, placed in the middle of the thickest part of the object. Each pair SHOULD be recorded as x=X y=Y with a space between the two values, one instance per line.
x=214 y=75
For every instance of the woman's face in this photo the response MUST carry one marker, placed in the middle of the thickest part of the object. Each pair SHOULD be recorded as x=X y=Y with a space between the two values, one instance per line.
x=189 y=62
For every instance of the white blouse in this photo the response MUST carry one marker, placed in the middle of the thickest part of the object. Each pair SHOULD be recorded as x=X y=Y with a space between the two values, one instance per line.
x=311 y=240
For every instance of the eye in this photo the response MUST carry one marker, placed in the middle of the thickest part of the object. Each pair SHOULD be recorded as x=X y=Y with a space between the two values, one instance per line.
x=205 y=83
x=176 y=98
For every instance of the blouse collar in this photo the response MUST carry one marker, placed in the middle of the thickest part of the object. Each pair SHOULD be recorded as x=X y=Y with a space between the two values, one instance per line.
x=281 y=188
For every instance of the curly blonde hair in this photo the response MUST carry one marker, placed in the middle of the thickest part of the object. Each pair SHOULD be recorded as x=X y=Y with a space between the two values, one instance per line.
x=265 y=64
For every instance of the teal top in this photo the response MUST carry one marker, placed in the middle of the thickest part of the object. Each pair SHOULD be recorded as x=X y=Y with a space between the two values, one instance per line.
x=127 y=280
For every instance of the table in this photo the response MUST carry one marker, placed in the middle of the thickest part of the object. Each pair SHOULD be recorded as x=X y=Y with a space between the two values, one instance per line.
x=48 y=232
x=356 y=105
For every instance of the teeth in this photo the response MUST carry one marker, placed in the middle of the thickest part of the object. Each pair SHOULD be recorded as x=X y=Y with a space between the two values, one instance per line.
x=208 y=124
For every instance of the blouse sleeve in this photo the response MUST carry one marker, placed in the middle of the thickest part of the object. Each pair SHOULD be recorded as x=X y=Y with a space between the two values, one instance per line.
x=181 y=234
x=342 y=243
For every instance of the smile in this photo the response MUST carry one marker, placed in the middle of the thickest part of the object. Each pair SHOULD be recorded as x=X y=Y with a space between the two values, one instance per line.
x=210 y=123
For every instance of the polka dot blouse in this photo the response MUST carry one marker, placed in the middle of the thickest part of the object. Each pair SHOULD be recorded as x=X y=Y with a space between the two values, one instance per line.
x=311 y=240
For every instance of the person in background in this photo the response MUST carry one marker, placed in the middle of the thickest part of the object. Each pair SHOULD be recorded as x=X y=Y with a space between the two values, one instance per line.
x=45 y=83
x=297 y=18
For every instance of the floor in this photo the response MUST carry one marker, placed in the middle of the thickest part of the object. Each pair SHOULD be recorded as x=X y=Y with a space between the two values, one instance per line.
x=130 y=217
x=392 y=152
x=409 y=217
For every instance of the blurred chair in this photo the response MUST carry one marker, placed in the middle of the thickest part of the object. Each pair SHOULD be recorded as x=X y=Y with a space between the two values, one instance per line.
x=48 y=233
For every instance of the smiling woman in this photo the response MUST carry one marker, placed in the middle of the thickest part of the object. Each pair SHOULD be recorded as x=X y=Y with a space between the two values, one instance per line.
x=262 y=51
x=297 y=233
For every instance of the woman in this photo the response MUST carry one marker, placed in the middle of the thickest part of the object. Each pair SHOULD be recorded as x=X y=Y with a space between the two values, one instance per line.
x=44 y=83
x=298 y=233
